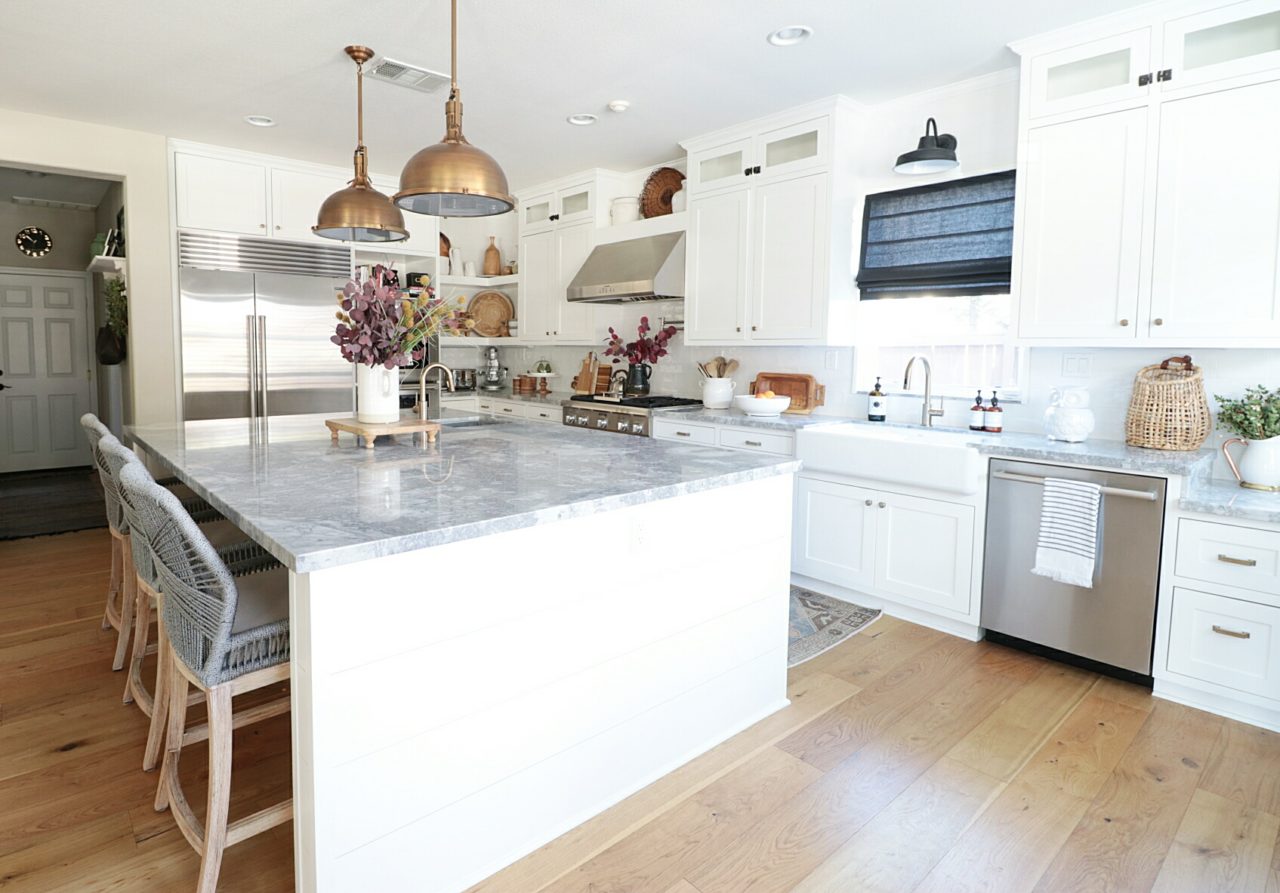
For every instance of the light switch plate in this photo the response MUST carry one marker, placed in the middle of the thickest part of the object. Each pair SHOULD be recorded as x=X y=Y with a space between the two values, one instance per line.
x=1077 y=365
x=832 y=361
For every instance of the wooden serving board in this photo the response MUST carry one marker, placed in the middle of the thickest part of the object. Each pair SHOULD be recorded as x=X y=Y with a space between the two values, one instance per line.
x=805 y=392
x=584 y=381
x=370 y=431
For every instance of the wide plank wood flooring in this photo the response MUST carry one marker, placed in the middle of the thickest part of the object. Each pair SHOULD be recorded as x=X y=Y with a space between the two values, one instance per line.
x=907 y=761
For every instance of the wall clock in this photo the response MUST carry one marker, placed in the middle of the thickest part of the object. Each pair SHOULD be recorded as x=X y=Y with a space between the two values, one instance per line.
x=33 y=241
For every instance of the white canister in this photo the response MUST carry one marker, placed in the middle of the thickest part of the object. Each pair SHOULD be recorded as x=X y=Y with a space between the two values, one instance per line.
x=1068 y=417
x=717 y=393
x=679 y=200
x=455 y=262
x=377 y=394
x=469 y=269
x=1259 y=465
x=624 y=210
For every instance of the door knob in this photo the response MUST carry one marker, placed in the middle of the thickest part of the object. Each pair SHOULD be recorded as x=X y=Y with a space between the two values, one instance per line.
x=1124 y=322
x=1158 y=321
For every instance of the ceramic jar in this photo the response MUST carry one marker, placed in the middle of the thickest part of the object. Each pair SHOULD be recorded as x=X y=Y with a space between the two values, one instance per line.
x=1259 y=465
x=717 y=393
x=377 y=394
x=624 y=210
x=1068 y=417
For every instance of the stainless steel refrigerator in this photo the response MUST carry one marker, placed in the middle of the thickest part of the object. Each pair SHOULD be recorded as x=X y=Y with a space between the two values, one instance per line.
x=255 y=340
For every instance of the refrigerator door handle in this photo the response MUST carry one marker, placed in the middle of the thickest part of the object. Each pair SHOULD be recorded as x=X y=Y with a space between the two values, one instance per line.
x=252 y=335
x=262 y=361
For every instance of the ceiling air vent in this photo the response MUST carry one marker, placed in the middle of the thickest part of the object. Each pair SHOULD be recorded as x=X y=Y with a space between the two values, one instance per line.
x=424 y=80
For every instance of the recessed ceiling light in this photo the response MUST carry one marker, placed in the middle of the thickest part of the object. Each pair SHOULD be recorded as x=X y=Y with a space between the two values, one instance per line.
x=790 y=35
x=260 y=120
x=581 y=120
x=619 y=105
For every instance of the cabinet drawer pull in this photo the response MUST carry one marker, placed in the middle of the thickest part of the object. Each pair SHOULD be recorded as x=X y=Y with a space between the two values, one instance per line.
x=1243 y=562
x=507 y=409
x=682 y=434
x=1233 y=633
x=753 y=443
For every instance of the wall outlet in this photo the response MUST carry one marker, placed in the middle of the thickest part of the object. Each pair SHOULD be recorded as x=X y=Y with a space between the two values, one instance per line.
x=1077 y=365
x=832 y=360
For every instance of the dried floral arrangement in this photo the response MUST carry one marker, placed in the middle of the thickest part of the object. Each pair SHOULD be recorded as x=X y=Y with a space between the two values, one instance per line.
x=644 y=349
x=382 y=325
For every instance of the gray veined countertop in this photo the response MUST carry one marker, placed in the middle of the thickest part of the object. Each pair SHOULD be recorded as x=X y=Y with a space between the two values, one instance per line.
x=315 y=505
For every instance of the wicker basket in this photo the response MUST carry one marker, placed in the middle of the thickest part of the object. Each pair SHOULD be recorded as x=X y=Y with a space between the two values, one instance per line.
x=1168 y=409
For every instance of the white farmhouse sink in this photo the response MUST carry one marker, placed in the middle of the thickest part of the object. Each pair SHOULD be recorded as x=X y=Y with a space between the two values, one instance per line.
x=918 y=457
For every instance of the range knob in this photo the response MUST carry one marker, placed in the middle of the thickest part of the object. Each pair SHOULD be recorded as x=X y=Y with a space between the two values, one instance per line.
x=570 y=419
x=637 y=427
x=622 y=426
x=602 y=422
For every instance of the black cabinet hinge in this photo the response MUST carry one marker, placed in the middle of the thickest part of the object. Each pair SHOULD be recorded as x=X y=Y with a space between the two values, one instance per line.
x=1166 y=75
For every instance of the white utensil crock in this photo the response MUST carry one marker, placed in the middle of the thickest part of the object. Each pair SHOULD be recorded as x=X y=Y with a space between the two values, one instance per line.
x=624 y=210
x=717 y=393
x=1068 y=417
x=1259 y=466
x=377 y=394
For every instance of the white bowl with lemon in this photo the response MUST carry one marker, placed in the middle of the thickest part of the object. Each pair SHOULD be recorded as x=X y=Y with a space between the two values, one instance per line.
x=765 y=405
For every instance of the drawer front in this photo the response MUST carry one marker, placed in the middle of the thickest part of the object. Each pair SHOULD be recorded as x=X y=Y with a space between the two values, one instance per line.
x=758 y=441
x=542 y=413
x=1225 y=641
x=664 y=429
x=508 y=410
x=1228 y=554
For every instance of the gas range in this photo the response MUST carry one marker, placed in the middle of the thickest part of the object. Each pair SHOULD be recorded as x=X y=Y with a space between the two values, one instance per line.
x=628 y=415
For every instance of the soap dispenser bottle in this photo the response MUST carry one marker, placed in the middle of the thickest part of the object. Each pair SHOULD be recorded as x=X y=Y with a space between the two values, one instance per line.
x=977 y=414
x=994 y=416
x=877 y=403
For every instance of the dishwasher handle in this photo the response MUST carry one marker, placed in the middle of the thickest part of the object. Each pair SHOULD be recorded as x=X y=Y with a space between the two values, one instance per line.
x=1148 y=495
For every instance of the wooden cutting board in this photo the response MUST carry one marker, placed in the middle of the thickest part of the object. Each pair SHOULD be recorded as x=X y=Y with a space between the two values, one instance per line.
x=585 y=382
x=805 y=392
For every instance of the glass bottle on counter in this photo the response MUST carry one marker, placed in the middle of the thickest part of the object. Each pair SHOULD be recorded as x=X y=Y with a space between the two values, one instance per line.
x=877 y=403
x=994 y=416
x=977 y=414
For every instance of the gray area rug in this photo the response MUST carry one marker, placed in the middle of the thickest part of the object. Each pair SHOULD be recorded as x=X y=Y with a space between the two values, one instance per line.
x=36 y=503
x=819 y=622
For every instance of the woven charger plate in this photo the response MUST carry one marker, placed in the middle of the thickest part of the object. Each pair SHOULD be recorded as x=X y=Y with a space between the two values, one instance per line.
x=491 y=310
x=655 y=198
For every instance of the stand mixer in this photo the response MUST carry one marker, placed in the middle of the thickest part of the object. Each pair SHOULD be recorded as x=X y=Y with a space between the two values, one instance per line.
x=492 y=373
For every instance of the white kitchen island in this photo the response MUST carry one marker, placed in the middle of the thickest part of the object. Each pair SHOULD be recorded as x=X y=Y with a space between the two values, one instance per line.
x=498 y=636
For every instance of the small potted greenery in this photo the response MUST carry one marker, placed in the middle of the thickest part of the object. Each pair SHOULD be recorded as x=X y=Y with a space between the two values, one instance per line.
x=110 y=343
x=1255 y=420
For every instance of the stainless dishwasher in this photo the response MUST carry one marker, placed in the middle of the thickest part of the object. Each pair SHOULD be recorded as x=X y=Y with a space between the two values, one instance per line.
x=1108 y=628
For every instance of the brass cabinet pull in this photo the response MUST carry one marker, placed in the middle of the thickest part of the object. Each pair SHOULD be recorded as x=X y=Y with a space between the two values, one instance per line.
x=1233 y=633
x=1243 y=562
x=682 y=434
x=753 y=443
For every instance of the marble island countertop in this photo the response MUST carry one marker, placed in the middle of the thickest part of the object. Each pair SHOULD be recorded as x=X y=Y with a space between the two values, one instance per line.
x=314 y=505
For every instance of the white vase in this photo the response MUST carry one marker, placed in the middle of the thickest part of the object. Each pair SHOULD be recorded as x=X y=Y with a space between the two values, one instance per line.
x=377 y=394
x=1069 y=417
x=717 y=393
x=1259 y=465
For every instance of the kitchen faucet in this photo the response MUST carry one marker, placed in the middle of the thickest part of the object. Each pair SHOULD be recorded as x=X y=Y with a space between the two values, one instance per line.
x=927 y=412
x=422 y=389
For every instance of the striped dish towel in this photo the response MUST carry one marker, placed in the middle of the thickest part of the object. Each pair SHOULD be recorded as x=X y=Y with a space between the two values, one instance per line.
x=1068 y=546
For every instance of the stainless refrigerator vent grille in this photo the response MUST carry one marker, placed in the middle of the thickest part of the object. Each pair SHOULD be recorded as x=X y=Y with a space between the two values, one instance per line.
x=210 y=251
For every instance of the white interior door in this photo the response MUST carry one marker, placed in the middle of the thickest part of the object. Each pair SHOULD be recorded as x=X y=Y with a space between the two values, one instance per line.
x=44 y=367
x=1217 y=237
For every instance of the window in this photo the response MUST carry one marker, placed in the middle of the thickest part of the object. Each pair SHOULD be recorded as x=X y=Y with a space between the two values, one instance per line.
x=968 y=339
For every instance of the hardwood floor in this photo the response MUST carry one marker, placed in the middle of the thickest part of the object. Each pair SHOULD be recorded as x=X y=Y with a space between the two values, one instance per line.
x=908 y=760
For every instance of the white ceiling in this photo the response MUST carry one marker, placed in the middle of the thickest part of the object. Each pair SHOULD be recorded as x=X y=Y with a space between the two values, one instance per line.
x=193 y=70
x=51 y=187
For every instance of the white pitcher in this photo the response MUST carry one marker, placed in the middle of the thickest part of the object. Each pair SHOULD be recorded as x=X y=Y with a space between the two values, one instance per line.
x=1259 y=466
x=1068 y=417
x=377 y=394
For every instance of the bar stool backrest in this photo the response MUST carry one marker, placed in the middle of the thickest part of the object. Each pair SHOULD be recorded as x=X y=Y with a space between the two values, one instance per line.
x=95 y=431
x=116 y=456
x=200 y=594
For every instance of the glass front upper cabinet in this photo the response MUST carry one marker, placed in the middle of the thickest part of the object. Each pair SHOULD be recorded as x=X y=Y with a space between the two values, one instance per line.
x=575 y=203
x=1234 y=41
x=723 y=165
x=793 y=149
x=536 y=212
x=1114 y=70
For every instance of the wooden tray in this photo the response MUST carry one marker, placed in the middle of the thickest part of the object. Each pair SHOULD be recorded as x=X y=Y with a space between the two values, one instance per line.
x=805 y=392
x=491 y=311
x=370 y=431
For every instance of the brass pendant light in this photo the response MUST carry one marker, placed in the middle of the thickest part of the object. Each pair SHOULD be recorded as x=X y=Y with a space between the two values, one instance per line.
x=453 y=178
x=360 y=213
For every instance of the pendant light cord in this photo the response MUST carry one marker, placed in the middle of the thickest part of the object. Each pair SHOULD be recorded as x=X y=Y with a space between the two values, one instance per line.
x=453 y=49
x=359 y=105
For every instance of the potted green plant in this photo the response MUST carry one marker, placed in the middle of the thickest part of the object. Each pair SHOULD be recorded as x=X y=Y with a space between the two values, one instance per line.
x=110 y=344
x=1255 y=420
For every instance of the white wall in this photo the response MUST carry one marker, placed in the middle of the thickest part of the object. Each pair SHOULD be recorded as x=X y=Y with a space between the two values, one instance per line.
x=139 y=159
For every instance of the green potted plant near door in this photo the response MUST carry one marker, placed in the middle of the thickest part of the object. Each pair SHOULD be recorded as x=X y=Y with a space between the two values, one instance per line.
x=110 y=343
x=1255 y=420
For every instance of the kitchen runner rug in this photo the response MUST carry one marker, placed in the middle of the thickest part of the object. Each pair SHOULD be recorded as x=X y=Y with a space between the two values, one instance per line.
x=819 y=622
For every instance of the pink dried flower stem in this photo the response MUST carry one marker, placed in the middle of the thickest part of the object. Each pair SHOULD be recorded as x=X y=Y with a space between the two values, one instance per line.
x=644 y=349
x=379 y=325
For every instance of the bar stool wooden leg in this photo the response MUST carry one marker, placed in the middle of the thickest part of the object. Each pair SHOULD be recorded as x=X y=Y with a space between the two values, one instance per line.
x=129 y=588
x=113 y=583
x=218 y=703
x=134 y=688
x=176 y=687
x=159 y=704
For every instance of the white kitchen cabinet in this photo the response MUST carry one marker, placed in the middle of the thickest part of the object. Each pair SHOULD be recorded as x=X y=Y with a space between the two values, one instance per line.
x=1232 y=41
x=424 y=230
x=716 y=266
x=924 y=550
x=223 y=194
x=1216 y=264
x=1080 y=215
x=1225 y=641
x=835 y=533
x=1112 y=69
x=296 y=197
x=788 y=290
x=565 y=205
x=715 y=167
x=549 y=259
x=536 y=212
x=782 y=151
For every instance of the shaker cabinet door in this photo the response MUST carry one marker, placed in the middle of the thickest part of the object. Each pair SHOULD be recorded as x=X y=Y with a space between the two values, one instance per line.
x=716 y=266
x=789 y=288
x=924 y=550
x=1239 y=40
x=571 y=322
x=1081 y=212
x=834 y=533
x=221 y=194
x=296 y=197
x=538 y=280
x=1217 y=235
x=1098 y=73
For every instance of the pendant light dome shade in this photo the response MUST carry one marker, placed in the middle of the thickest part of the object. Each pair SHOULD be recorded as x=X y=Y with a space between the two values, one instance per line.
x=453 y=178
x=360 y=213
x=934 y=153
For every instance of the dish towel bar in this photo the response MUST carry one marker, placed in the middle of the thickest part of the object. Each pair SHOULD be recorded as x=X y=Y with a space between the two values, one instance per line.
x=1068 y=545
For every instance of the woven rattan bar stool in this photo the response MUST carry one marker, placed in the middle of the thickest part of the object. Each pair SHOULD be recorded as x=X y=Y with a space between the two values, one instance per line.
x=120 y=596
x=241 y=554
x=223 y=635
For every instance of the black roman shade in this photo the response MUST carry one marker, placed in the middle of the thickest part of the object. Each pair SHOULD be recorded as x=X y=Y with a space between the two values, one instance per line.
x=952 y=238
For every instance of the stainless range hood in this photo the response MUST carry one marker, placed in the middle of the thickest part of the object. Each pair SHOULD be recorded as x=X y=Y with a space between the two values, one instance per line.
x=647 y=269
